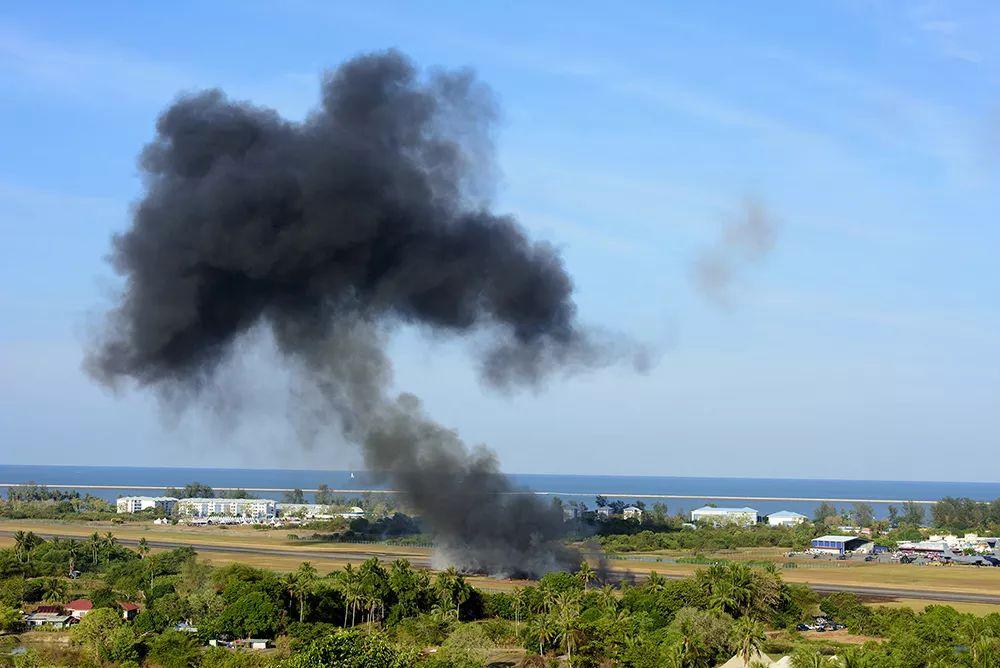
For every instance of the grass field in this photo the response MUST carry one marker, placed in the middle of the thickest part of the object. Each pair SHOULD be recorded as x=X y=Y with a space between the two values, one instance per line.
x=918 y=604
x=335 y=555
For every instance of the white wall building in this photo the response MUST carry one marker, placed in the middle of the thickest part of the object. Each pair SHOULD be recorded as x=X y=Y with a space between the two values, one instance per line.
x=316 y=510
x=632 y=512
x=250 y=509
x=785 y=518
x=720 y=516
x=135 y=504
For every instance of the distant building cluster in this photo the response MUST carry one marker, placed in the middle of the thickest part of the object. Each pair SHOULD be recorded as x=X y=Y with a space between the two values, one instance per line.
x=232 y=511
x=245 y=509
x=135 y=504
x=57 y=616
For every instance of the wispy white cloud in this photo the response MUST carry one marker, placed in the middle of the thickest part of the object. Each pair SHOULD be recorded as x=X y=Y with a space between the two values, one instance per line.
x=103 y=74
x=95 y=72
x=957 y=30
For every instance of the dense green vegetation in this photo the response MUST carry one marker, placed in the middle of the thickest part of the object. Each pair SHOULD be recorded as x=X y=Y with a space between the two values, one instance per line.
x=31 y=501
x=379 y=614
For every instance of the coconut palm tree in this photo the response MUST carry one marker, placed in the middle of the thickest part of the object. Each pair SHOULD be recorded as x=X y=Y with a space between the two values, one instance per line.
x=808 y=657
x=54 y=590
x=95 y=547
x=143 y=547
x=24 y=543
x=301 y=584
x=566 y=622
x=544 y=631
x=656 y=582
x=451 y=586
x=109 y=541
x=73 y=551
x=586 y=574
x=519 y=605
x=750 y=638
x=609 y=600
x=350 y=589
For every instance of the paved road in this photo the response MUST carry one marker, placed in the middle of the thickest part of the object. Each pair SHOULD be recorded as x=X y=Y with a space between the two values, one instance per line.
x=361 y=554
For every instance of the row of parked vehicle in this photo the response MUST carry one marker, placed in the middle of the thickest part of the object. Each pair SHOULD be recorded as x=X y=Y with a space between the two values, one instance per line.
x=821 y=624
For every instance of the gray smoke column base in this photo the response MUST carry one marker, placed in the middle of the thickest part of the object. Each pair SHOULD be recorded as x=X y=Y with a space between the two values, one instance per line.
x=480 y=525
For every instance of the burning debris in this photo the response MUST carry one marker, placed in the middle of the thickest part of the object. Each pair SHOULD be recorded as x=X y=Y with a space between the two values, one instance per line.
x=330 y=232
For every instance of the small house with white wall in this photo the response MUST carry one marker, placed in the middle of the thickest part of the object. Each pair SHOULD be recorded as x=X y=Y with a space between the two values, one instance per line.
x=786 y=518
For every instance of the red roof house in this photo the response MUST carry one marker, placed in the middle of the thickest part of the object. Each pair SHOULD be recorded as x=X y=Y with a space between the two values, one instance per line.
x=129 y=610
x=79 y=607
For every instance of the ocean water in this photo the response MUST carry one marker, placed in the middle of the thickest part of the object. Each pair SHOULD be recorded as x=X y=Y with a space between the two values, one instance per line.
x=568 y=487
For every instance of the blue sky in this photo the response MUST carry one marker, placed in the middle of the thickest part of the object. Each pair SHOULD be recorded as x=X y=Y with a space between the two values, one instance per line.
x=865 y=345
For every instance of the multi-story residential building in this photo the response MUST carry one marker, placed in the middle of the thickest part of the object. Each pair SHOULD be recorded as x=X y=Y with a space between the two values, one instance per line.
x=251 y=509
x=134 y=504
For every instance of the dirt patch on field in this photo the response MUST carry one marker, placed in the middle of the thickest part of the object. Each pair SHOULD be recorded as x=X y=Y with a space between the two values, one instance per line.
x=842 y=636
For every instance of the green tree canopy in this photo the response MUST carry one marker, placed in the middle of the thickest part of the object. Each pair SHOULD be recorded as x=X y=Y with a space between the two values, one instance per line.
x=351 y=649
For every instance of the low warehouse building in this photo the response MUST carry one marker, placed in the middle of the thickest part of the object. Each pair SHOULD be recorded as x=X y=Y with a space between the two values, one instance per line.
x=837 y=544
x=721 y=516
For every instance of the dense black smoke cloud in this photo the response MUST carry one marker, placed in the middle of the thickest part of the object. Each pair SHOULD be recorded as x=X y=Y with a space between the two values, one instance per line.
x=367 y=215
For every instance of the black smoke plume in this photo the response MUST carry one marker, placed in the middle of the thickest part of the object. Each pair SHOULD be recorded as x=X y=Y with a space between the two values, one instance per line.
x=331 y=231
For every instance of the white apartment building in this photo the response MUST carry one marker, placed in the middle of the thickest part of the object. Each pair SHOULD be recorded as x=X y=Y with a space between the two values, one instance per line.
x=720 y=516
x=134 y=504
x=252 y=509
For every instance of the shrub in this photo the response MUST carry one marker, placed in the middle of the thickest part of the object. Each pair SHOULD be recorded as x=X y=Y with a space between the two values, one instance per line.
x=351 y=649
x=174 y=649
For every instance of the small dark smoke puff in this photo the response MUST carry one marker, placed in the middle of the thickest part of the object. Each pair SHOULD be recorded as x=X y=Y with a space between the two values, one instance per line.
x=363 y=216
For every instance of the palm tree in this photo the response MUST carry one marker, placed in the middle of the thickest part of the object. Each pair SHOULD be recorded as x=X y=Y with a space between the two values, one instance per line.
x=24 y=543
x=656 y=582
x=350 y=590
x=586 y=574
x=451 y=586
x=750 y=638
x=519 y=605
x=143 y=547
x=301 y=584
x=95 y=547
x=109 y=540
x=985 y=652
x=609 y=600
x=808 y=657
x=74 y=552
x=20 y=544
x=545 y=632
x=54 y=590
x=566 y=622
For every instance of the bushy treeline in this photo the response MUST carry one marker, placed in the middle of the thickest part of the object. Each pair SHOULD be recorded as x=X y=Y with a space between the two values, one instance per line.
x=387 y=615
x=711 y=538
x=33 y=501
x=937 y=636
